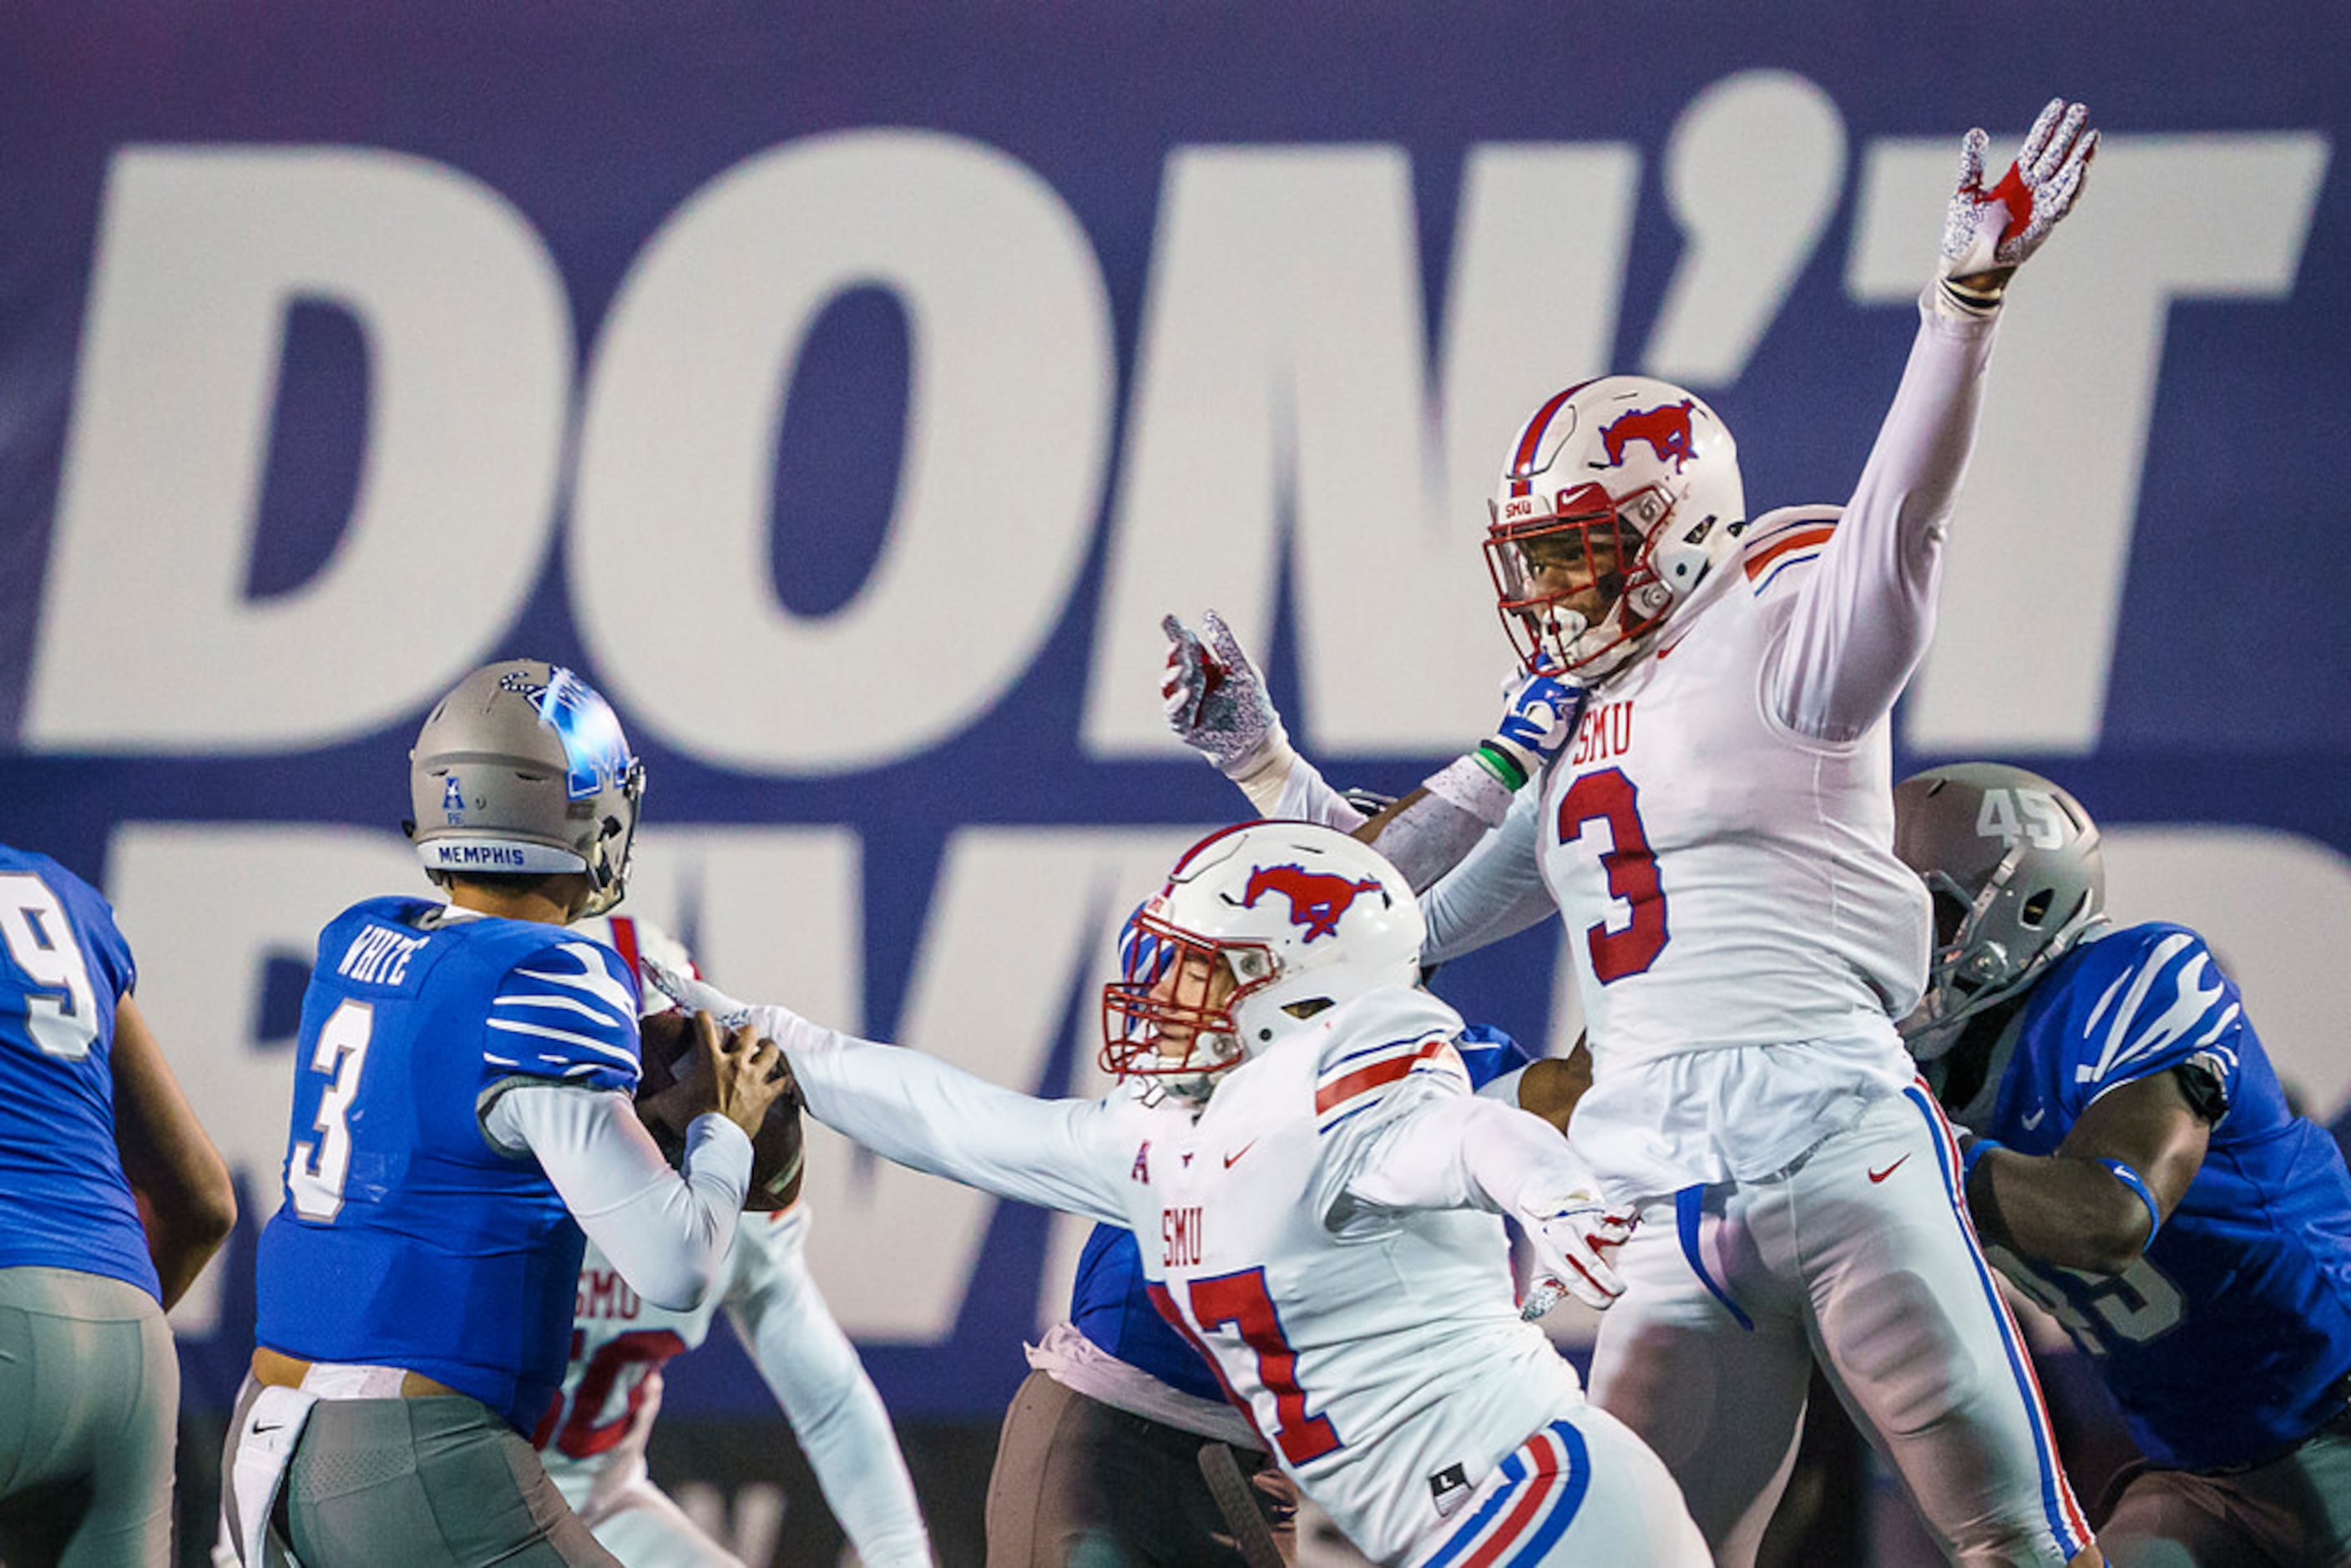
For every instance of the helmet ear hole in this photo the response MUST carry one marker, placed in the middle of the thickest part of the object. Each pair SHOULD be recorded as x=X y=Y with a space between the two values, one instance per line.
x=2035 y=912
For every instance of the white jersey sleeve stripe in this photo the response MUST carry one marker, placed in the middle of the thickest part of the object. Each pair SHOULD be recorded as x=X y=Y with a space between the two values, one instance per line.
x=565 y=1003
x=2191 y=1003
x=587 y=1043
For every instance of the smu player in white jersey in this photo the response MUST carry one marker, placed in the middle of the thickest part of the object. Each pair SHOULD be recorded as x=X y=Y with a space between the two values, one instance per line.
x=592 y=1438
x=1704 y=719
x=1319 y=1195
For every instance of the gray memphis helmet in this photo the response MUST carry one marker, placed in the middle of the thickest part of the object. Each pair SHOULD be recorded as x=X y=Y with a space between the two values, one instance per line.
x=521 y=769
x=2013 y=866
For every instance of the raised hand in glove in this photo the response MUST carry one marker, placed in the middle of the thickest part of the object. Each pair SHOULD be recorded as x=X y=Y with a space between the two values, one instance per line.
x=1989 y=233
x=1216 y=702
x=1538 y=714
x=1572 y=1234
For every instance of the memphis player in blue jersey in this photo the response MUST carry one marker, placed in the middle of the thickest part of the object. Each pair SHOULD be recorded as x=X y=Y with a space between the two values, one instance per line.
x=2134 y=1168
x=462 y=1112
x=111 y=1199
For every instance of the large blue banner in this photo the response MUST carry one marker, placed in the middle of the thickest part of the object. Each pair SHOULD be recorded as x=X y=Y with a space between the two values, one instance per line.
x=847 y=391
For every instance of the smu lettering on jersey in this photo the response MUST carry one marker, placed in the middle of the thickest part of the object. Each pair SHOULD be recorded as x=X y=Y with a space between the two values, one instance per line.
x=64 y=968
x=394 y=1197
x=1342 y=1330
x=1110 y=1304
x=2252 y=1272
x=1732 y=880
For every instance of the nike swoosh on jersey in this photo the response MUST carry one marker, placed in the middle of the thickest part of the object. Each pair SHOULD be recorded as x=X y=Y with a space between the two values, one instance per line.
x=1876 y=1176
x=1237 y=1153
x=2039 y=1113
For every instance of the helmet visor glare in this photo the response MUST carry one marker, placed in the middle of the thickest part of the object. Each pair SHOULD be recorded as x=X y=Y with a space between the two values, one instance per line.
x=595 y=752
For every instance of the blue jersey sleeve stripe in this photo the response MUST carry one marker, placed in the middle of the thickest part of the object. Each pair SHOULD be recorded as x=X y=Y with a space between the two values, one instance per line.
x=1338 y=1063
x=616 y=1054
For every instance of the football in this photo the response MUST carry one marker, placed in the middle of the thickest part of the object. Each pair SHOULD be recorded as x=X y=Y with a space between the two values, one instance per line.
x=666 y=1051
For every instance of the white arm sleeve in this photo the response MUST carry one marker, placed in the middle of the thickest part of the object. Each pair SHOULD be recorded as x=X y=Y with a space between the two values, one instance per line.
x=1864 y=614
x=832 y=1404
x=924 y=1115
x=1495 y=891
x=666 y=1233
x=1306 y=798
x=1465 y=1151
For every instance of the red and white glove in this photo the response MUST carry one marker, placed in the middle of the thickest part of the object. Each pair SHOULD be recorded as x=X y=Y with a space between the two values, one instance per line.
x=1572 y=1234
x=1989 y=233
x=1217 y=703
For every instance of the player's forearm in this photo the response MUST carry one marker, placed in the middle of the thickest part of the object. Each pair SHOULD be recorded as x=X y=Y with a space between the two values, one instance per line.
x=1863 y=620
x=1463 y=1152
x=187 y=1203
x=1495 y=892
x=665 y=1231
x=841 y=1423
x=919 y=1112
x=2058 y=1209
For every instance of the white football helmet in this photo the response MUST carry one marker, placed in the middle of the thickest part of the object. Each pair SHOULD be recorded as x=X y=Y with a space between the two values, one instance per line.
x=1257 y=928
x=1636 y=470
x=520 y=770
x=2013 y=865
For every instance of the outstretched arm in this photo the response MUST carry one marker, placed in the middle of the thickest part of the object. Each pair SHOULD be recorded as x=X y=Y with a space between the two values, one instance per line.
x=920 y=1113
x=1866 y=614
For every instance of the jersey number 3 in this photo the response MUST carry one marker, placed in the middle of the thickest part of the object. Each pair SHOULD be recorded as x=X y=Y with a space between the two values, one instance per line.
x=316 y=1170
x=1632 y=868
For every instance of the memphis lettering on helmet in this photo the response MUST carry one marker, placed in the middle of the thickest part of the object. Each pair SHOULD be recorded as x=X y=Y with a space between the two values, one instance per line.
x=542 y=774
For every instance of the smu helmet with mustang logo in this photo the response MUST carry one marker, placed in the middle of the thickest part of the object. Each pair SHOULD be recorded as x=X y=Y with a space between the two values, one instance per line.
x=1299 y=916
x=1636 y=471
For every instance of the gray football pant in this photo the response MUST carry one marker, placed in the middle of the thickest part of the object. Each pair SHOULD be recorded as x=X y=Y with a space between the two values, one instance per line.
x=2293 y=1510
x=417 y=1481
x=89 y=1399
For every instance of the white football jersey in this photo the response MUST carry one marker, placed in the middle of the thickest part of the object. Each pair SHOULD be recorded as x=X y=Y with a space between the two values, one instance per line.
x=1377 y=1351
x=1724 y=880
x=593 y=1437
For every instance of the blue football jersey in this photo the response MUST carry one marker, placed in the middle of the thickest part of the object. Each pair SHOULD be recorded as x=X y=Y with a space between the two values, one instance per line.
x=2226 y=1342
x=63 y=1203
x=1109 y=1303
x=404 y=1237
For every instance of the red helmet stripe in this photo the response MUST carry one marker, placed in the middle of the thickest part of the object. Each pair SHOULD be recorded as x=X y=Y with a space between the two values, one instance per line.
x=1522 y=460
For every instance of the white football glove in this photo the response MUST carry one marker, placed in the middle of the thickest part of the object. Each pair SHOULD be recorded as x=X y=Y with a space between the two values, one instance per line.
x=699 y=996
x=1572 y=1234
x=1989 y=233
x=1540 y=712
x=1216 y=702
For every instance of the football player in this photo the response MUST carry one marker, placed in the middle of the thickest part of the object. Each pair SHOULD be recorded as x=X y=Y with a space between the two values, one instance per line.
x=1320 y=1199
x=1121 y=1436
x=2134 y=1168
x=111 y=1199
x=461 y=1110
x=1695 y=770
x=592 y=1438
